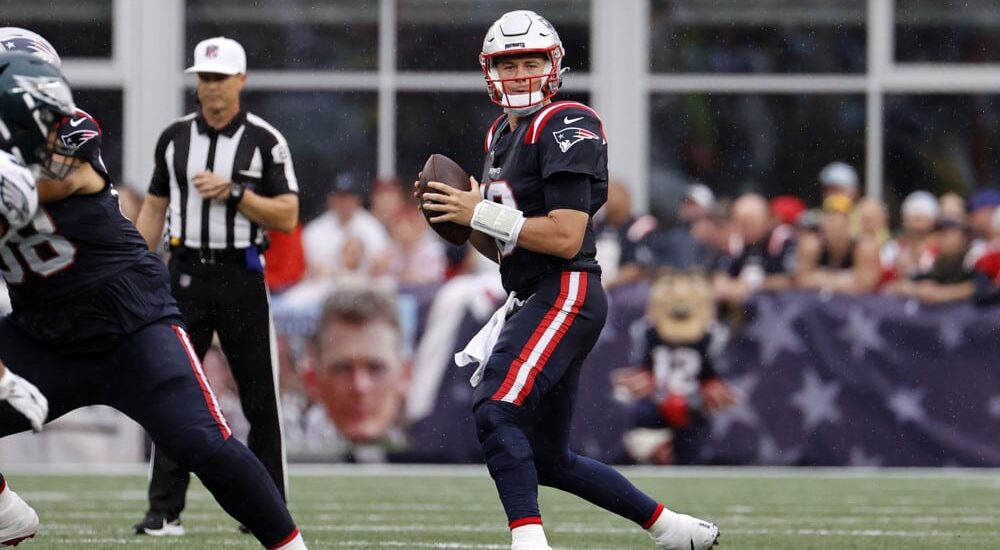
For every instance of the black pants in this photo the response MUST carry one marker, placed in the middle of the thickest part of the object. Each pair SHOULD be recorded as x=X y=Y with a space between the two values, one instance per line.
x=225 y=297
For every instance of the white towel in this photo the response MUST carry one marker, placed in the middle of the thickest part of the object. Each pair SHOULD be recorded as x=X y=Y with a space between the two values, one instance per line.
x=480 y=347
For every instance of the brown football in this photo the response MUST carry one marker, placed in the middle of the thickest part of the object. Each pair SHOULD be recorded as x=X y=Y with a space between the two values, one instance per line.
x=443 y=169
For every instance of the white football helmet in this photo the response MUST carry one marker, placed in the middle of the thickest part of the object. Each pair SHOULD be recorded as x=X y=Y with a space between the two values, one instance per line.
x=521 y=32
x=16 y=39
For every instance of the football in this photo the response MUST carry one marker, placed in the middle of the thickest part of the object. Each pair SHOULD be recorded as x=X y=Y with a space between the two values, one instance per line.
x=443 y=169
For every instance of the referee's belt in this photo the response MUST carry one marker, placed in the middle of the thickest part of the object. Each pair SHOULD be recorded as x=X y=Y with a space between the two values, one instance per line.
x=188 y=254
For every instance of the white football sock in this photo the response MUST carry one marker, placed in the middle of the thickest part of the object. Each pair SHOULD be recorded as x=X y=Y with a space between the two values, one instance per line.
x=528 y=537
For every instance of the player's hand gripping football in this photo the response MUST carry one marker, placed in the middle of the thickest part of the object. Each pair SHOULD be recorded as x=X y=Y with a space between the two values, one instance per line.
x=453 y=204
x=24 y=397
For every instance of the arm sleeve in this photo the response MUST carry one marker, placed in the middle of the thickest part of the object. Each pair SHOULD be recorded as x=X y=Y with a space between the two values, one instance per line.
x=159 y=183
x=572 y=141
x=566 y=190
x=278 y=177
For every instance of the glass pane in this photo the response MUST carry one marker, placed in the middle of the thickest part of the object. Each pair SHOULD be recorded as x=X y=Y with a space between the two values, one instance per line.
x=941 y=143
x=76 y=28
x=327 y=132
x=774 y=144
x=451 y=123
x=291 y=34
x=448 y=36
x=948 y=31
x=106 y=107
x=758 y=36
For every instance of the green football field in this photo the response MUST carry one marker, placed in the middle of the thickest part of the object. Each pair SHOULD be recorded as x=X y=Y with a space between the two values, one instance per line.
x=416 y=508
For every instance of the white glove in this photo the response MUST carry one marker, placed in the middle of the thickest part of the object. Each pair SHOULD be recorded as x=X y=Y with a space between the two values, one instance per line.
x=25 y=398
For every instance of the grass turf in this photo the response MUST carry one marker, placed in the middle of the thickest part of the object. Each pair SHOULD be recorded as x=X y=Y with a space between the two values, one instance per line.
x=415 y=508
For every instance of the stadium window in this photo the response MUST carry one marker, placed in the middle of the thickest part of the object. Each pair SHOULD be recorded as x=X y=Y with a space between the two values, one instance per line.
x=771 y=143
x=757 y=36
x=327 y=133
x=293 y=34
x=947 y=31
x=76 y=28
x=446 y=36
x=941 y=142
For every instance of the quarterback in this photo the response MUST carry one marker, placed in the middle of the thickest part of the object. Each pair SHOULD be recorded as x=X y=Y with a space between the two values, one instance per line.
x=544 y=177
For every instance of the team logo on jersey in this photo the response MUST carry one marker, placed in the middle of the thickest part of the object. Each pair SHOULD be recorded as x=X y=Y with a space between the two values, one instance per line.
x=568 y=137
x=495 y=172
x=75 y=140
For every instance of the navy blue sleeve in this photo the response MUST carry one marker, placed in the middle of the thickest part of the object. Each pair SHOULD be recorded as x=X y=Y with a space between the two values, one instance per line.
x=566 y=190
x=571 y=141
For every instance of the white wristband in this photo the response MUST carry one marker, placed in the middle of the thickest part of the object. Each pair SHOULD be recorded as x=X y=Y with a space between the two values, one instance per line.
x=498 y=221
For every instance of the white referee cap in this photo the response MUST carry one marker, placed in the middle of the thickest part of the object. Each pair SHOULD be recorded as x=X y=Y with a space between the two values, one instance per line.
x=219 y=55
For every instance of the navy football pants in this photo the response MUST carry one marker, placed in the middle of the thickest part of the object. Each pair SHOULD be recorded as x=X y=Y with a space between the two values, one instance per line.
x=524 y=405
x=154 y=377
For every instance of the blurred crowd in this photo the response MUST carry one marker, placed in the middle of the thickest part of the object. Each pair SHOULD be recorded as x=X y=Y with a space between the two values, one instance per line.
x=945 y=248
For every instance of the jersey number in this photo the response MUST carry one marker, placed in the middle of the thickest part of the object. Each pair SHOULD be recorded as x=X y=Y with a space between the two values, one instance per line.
x=676 y=370
x=500 y=191
x=39 y=249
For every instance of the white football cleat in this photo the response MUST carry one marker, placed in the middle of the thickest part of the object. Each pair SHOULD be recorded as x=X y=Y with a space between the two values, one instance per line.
x=18 y=521
x=675 y=531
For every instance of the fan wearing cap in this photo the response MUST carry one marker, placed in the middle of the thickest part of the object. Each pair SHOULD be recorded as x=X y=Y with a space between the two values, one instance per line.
x=225 y=177
x=911 y=252
x=831 y=259
x=346 y=239
x=950 y=275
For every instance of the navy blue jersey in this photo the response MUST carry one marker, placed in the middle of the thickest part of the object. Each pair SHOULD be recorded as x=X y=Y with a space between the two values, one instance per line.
x=80 y=136
x=69 y=248
x=557 y=159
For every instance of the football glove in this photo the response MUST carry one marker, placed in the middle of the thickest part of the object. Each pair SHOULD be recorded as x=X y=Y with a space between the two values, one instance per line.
x=25 y=398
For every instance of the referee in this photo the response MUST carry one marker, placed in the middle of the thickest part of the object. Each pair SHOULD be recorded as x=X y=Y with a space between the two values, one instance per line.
x=224 y=175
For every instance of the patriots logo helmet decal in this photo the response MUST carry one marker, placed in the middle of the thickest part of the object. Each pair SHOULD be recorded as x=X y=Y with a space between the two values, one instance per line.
x=568 y=137
x=74 y=140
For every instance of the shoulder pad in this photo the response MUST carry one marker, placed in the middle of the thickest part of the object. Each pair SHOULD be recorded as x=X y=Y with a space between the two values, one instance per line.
x=566 y=114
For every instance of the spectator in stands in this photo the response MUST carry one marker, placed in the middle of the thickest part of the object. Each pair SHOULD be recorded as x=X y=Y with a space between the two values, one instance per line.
x=982 y=205
x=415 y=255
x=952 y=207
x=387 y=198
x=284 y=260
x=873 y=221
x=359 y=371
x=675 y=245
x=831 y=259
x=911 y=253
x=346 y=237
x=618 y=230
x=987 y=268
x=950 y=278
x=839 y=178
x=765 y=258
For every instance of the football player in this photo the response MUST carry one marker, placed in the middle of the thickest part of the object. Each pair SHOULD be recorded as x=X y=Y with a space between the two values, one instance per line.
x=18 y=202
x=93 y=320
x=544 y=177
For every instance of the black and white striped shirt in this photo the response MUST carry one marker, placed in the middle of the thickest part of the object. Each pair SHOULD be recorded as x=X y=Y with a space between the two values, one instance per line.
x=248 y=149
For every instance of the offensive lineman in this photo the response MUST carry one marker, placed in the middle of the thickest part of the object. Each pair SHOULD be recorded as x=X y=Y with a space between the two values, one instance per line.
x=544 y=177
x=93 y=321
